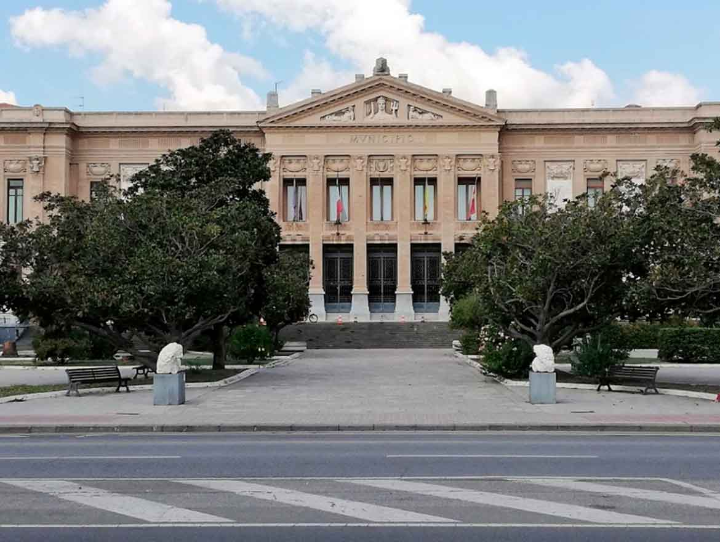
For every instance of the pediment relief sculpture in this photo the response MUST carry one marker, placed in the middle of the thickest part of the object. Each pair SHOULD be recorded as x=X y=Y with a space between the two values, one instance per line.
x=15 y=166
x=294 y=165
x=425 y=164
x=595 y=166
x=560 y=171
x=469 y=163
x=671 y=163
x=634 y=170
x=337 y=164
x=382 y=165
x=343 y=115
x=381 y=109
x=417 y=113
x=523 y=166
x=98 y=169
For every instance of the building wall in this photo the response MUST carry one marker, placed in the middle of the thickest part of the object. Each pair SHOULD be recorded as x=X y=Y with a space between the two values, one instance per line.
x=60 y=151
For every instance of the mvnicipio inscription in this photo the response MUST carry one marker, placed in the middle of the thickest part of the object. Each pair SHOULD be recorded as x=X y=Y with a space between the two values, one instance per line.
x=385 y=139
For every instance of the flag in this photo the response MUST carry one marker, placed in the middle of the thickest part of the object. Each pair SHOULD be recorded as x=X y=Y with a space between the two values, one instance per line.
x=339 y=208
x=426 y=204
x=472 y=204
x=298 y=204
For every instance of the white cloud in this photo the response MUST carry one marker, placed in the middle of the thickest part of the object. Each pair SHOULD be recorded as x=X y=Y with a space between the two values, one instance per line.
x=140 y=38
x=358 y=31
x=7 y=97
x=316 y=73
x=658 y=88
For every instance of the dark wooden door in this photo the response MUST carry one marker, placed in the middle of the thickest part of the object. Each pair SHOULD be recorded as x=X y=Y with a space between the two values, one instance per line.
x=338 y=278
x=425 y=278
x=382 y=278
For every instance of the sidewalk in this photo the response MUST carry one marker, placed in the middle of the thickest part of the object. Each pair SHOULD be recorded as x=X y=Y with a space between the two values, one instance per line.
x=363 y=390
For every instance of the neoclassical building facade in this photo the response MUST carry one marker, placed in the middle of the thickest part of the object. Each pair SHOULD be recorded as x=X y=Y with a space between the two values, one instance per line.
x=375 y=180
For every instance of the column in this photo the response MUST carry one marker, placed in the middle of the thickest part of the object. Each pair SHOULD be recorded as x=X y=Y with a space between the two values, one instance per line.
x=316 y=213
x=360 y=309
x=403 y=193
x=447 y=192
x=491 y=190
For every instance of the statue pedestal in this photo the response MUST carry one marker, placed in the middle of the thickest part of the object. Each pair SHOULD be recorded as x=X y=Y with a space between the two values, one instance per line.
x=542 y=388
x=169 y=389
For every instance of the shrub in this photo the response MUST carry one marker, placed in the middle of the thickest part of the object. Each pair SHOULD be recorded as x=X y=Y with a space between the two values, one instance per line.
x=250 y=343
x=61 y=346
x=512 y=358
x=598 y=352
x=470 y=343
x=467 y=313
x=690 y=345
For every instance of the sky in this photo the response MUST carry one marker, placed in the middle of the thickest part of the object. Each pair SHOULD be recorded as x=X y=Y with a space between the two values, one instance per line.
x=142 y=55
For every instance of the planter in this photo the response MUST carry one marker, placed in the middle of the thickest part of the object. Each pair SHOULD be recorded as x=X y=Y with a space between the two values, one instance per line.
x=542 y=388
x=169 y=389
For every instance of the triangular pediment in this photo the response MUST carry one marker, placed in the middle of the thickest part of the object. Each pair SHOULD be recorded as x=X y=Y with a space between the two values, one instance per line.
x=382 y=101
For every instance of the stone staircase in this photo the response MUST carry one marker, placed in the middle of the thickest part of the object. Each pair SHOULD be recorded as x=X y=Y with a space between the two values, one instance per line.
x=372 y=335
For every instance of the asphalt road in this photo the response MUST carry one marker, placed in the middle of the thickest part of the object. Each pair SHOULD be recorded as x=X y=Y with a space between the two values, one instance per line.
x=386 y=486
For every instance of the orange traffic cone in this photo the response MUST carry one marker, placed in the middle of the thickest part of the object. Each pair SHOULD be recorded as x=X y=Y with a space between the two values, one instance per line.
x=339 y=320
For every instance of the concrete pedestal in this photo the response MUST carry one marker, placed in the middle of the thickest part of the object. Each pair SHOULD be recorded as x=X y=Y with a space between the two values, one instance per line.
x=404 y=306
x=169 y=389
x=360 y=309
x=542 y=388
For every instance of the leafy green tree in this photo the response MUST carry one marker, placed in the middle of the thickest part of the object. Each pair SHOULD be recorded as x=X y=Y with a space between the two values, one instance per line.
x=544 y=275
x=160 y=264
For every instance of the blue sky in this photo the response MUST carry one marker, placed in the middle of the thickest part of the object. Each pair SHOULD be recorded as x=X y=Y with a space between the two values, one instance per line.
x=537 y=54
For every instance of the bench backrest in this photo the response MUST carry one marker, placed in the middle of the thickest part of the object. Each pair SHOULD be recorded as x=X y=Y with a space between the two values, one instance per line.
x=93 y=373
x=624 y=370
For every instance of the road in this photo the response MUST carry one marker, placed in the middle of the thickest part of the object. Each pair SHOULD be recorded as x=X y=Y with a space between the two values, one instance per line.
x=359 y=486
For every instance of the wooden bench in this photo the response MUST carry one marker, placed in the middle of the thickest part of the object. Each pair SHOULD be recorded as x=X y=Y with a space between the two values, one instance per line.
x=630 y=374
x=143 y=370
x=95 y=374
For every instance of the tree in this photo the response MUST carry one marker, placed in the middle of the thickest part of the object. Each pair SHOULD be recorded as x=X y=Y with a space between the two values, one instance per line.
x=158 y=265
x=287 y=297
x=544 y=275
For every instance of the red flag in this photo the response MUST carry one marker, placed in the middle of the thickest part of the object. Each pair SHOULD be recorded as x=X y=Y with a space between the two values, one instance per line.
x=339 y=208
x=472 y=204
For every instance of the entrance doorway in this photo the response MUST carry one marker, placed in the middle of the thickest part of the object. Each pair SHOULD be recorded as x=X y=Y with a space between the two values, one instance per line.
x=338 y=277
x=425 y=277
x=382 y=277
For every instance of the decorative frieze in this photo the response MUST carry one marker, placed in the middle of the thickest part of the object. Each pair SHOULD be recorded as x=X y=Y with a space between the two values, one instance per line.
x=595 y=166
x=359 y=163
x=425 y=164
x=343 y=115
x=36 y=163
x=294 y=164
x=127 y=172
x=98 y=169
x=634 y=169
x=337 y=164
x=671 y=163
x=417 y=113
x=381 y=165
x=558 y=180
x=469 y=164
x=560 y=171
x=448 y=162
x=403 y=162
x=491 y=162
x=15 y=166
x=316 y=163
x=523 y=167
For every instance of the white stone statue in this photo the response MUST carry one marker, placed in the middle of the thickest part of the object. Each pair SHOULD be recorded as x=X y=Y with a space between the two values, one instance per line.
x=382 y=113
x=544 y=361
x=170 y=359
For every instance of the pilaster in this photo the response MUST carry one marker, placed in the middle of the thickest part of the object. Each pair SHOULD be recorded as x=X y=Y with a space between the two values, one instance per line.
x=491 y=189
x=316 y=193
x=403 y=192
x=360 y=308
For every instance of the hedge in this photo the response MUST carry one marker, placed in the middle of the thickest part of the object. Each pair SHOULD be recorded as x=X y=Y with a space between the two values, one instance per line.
x=690 y=345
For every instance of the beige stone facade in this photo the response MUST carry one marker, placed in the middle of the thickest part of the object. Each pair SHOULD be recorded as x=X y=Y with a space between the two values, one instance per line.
x=406 y=163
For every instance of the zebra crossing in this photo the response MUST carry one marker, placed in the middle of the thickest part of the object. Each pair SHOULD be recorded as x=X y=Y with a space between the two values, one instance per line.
x=423 y=501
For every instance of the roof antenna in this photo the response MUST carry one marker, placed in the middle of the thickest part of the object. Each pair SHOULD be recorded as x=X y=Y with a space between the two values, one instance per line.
x=276 y=85
x=81 y=105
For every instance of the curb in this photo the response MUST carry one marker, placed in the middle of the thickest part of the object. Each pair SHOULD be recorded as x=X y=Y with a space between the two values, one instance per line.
x=332 y=428
x=144 y=387
x=588 y=387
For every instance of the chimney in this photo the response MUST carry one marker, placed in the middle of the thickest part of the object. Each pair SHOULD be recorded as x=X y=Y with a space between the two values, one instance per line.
x=359 y=77
x=491 y=99
x=447 y=91
x=403 y=76
x=272 y=100
x=314 y=93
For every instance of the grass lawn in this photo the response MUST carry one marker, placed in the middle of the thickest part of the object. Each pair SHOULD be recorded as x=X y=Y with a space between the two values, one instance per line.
x=204 y=375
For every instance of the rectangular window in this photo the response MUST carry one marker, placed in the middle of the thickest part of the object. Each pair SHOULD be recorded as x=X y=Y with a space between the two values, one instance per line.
x=338 y=198
x=468 y=199
x=15 y=201
x=523 y=191
x=425 y=198
x=381 y=192
x=595 y=189
x=295 y=200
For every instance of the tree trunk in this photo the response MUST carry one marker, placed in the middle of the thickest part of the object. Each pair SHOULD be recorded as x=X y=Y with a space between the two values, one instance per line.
x=219 y=347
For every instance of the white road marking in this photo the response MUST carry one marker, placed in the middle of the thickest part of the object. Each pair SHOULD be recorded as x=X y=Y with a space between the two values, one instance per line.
x=631 y=492
x=550 y=508
x=119 y=504
x=83 y=457
x=495 y=456
x=360 y=510
x=704 y=491
x=672 y=526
